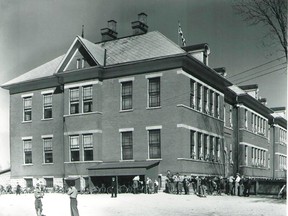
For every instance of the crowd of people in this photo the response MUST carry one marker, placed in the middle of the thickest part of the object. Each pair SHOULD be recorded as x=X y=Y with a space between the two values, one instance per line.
x=208 y=185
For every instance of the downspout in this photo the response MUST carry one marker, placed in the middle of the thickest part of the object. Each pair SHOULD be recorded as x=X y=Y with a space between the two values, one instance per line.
x=61 y=83
x=273 y=149
x=236 y=132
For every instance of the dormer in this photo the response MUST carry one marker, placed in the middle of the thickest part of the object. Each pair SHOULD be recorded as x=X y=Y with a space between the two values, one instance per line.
x=82 y=54
x=252 y=90
x=199 y=51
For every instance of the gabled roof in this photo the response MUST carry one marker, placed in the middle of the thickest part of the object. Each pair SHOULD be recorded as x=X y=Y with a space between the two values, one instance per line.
x=45 y=70
x=139 y=47
x=129 y=49
x=94 y=51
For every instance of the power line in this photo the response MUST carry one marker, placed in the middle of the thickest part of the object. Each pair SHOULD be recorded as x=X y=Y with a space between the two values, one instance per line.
x=255 y=67
x=262 y=75
x=257 y=72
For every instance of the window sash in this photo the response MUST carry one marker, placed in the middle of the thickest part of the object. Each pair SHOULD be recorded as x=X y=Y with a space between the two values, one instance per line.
x=47 y=100
x=154 y=144
x=192 y=144
x=127 y=92
x=27 y=102
x=88 y=154
x=47 y=143
x=127 y=145
x=199 y=92
x=74 y=108
x=27 y=108
x=87 y=141
x=74 y=142
x=192 y=93
x=48 y=154
x=74 y=94
x=87 y=93
x=27 y=145
x=154 y=92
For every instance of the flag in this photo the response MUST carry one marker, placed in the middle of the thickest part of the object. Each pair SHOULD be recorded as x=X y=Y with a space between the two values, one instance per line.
x=181 y=35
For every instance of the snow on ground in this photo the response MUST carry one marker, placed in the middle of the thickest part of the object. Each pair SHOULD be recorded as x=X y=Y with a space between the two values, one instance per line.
x=144 y=204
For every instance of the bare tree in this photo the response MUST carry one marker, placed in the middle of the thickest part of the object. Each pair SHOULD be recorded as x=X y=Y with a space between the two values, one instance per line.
x=270 y=13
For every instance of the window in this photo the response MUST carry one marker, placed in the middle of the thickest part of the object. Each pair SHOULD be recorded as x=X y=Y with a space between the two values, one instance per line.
x=252 y=121
x=27 y=151
x=217 y=114
x=29 y=182
x=78 y=63
x=259 y=157
x=246 y=154
x=192 y=144
x=83 y=63
x=127 y=145
x=48 y=150
x=154 y=92
x=199 y=87
x=88 y=147
x=199 y=153
x=74 y=101
x=230 y=116
x=49 y=182
x=246 y=119
x=154 y=144
x=47 y=103
x=126 y=95
x=212 y=147
x=27 y=101
x=211 y=96
x=74 y=148
x=87 y=99
x=192 y=93
x=218 y=148
x=205 y=147
x=231 y=154
x=205 y=101
x=252 y=156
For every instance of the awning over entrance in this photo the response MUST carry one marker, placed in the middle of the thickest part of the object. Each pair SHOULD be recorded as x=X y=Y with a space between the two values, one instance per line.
x=123 y=168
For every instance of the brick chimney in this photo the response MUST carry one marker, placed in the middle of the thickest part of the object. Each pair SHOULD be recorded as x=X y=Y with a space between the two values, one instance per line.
x=110 y=32
x=140 y=26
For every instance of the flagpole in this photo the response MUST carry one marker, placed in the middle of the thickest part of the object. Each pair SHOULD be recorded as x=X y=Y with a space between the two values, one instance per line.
x=178 y=33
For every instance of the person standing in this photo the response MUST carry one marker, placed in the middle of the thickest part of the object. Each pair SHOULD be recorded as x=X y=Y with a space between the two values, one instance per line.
x=18 y=189
x=237 y=182
x=38 y=194
x=241 y=186
x=114 y=187
x=177 y=183
x=156 y=184
x=168 y=181
x=230 y=182
x=135 y=186
x=186 y=184
x=72 y=192
x=247 y=186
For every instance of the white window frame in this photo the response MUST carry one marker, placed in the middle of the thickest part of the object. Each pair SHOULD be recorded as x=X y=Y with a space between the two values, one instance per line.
x=44 y=137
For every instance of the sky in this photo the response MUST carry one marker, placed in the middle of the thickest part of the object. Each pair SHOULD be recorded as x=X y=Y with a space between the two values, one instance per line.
x=33 y=32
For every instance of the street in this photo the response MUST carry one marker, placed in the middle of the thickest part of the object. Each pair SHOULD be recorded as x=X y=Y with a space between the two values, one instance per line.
x=144 y=204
